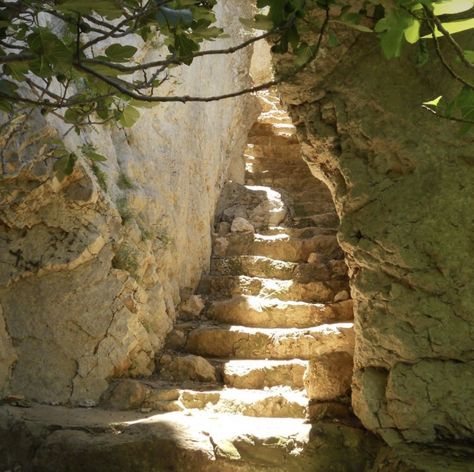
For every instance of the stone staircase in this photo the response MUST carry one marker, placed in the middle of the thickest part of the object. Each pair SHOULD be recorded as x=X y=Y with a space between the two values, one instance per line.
x=256 y=374
x=276 y=296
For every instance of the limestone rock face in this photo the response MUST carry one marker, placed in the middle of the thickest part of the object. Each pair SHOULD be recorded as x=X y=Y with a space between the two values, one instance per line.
x=403 y=185
x=89 y=278
x=328 y=377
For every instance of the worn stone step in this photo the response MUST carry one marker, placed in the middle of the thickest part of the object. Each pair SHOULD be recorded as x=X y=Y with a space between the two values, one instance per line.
x=262 y=163
x=328 y=219
x=273 y=140
x=258 y=374
x=308 y=208
x=277 y=180
x=275 y=402
x=279 y=246
x=267 y=129
x=239 y=342
x=259 y=266
x=297 y=233
x=222 y=286
x=273 y=313
x=96 y=440
x=285 y=157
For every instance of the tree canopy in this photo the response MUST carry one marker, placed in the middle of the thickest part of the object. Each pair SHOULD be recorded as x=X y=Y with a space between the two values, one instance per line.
x=83 y=59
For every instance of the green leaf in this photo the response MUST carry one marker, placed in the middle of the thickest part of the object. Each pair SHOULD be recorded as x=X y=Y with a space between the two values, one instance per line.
x=304 y=54
x=392 y=31
x=185 y=47
x=392 y=42
x=65 y=165
x=107 y=8
x=120 y=53
x=450 y=7
x=91 y=153
x=362 y=28
x=170 y=17
x=129 y=116
x=469 y=55
x=53 y=54
x=434 y=102
x=453 y=27
x=412 y=32
x=333 y=40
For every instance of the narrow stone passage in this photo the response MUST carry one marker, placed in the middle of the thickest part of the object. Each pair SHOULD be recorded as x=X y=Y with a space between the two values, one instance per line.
x=256 y=374
x=277 y=294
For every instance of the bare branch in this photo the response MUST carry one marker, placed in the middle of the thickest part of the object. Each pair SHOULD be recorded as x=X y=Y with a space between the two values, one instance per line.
x=458 y=49
x=179 y=61
x=443 y=60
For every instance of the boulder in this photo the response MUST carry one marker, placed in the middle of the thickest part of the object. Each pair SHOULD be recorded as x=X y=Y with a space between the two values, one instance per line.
x=189 y=367
x=241 y=225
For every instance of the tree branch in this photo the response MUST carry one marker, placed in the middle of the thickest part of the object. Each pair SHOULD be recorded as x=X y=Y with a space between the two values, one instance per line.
x=443 y=60
x=446 y=33
x=180 y=61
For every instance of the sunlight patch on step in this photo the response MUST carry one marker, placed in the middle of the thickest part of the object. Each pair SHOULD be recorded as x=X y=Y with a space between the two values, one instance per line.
x=272 y=237
x=325 y=329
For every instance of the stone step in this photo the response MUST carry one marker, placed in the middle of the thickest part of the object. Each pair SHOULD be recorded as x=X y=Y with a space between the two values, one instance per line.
x=277 y=180
x=97 y=440
x=329 y=219
x=239 y=342
x=275 y=402
x=276 y=166
x=308 y=208
x=223 y=286
x=271 y=129
x=279 y=246
x=273 y=313
x=259 y=374
x=297 y=233
x=259 y=266
x=273 y=140
x=271 y=159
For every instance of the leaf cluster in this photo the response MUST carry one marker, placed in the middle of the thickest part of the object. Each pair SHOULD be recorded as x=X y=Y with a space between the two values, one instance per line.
x=396 y=24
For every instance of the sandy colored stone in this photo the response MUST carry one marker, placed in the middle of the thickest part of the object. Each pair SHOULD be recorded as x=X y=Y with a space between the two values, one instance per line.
x=241 y=225
x=405 y=206
x=274 y=313
x=193 y=306
x=176 y=339
x=328 y=376
x=89 y=440
x=261 y=374
x=224 y=228
x=258 y=343
x=186 y=368
x=282 y=247
x=126 y=394
x=91 y=259
x=287 y=290
x=327 y=410
x=341 y=296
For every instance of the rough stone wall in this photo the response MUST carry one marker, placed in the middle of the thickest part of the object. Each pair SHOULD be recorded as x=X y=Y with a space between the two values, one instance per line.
x=89 y=278
x=403 y=185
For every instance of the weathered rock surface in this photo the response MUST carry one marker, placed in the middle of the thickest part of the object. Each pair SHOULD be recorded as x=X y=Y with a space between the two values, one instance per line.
x=74 y=440
x=402 y=183
x=329 y=376
x=274 y=313
x=186 y=368
x=260 y=343
x=89 y=279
